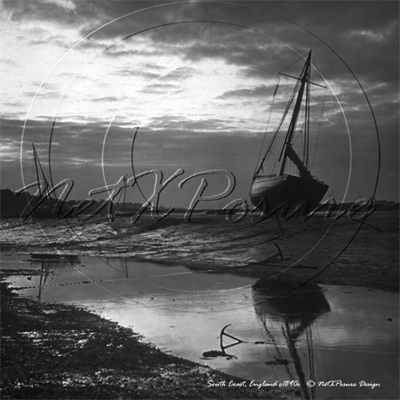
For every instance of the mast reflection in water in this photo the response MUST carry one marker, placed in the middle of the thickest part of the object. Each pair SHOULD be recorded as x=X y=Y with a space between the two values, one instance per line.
x=316 y=332
x=296 y=311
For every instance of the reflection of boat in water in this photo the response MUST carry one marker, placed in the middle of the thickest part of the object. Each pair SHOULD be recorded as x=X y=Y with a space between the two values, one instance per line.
x=71 y=259
x=281 y=189
x=295 y=312
x=306 y=300
x=47 y=263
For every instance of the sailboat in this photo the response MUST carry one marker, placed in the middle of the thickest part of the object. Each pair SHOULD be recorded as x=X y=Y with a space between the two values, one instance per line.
x=125 y=209
x=44 y=204
x=281 y=189
x=40 y=205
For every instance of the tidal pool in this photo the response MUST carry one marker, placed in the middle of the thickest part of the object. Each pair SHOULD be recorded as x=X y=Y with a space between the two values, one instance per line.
x=325 y=341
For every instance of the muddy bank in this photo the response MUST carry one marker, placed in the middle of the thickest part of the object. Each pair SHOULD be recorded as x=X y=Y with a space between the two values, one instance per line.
x=59 y=351
x=52 y=350
x=345 y=251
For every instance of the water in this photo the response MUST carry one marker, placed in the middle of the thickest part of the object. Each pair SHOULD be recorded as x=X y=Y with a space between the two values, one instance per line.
x=338 y=337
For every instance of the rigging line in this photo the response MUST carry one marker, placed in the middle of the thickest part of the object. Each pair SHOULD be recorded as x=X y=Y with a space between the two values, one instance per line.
x=268 y=122
x=319 y=129
x=38 y=166
x=298 y=134
x=286 y=111
x=289 y=105
x=287 y=108
x=275 y=163
x=118 y=200
x=306 y=123
x=300 y=59
x=49 y=156
x=132 y=165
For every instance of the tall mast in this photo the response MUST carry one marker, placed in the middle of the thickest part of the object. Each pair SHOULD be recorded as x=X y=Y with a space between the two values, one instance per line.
x=303 y=79
x=35 y=159
x=40 y=174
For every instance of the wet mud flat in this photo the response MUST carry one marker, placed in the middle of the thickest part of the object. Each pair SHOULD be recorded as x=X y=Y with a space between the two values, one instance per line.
x=327 y=249
x=53 y=350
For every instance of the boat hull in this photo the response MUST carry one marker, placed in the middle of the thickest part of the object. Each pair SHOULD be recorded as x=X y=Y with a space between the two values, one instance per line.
x=287 y=193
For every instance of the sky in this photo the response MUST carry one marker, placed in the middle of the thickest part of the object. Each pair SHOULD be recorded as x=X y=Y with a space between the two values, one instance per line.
x=195 y=80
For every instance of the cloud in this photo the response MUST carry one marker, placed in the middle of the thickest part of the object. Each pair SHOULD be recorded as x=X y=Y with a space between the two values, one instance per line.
x=8 y=63
x=178 y=123
x=222 y=71
x=250 y=44
x=257 y=91
x=58 y=41
x=55 y=11
x=160 y=87
x=180 y=74
x=138 y=72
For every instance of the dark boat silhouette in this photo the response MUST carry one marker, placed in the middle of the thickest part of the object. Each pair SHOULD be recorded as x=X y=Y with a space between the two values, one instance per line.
x=286 y=190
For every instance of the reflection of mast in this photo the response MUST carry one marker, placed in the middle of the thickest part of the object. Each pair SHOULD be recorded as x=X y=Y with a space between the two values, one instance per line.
x=291 y=342
x=44 y=271
x=273 y=341
x=297 y=311
x=124 y=266
x=311 y=358
x=51 y=260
